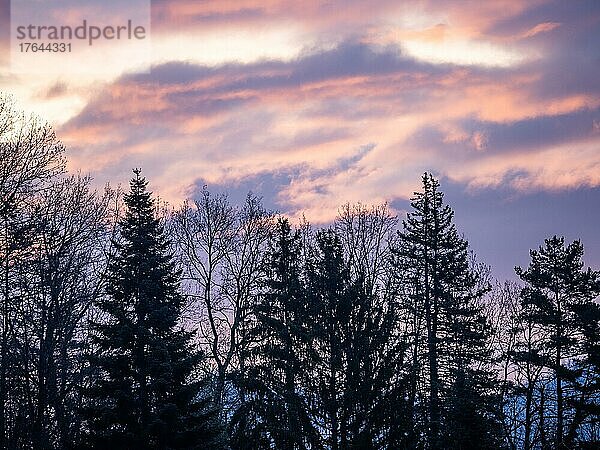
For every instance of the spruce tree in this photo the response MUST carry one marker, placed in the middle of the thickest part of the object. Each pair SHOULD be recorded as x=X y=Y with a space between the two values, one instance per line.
x=328 y=291
x=275 y=413
x=446 y=327
x=356 y=378
x=142 y=396
x=559 y=299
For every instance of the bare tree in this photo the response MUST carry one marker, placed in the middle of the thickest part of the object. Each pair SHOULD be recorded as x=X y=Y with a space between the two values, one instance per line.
x=30 y=157
x=366 y=234
x=222 y=250
x=56 y=285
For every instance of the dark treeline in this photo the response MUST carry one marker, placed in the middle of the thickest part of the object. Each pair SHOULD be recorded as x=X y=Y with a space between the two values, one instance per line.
x=126 y=325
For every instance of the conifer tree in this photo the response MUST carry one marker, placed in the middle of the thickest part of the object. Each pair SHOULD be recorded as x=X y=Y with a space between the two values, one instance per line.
x=356 y=381
x=559 y=298
x=328 y=292
x=587 y=403
x=141 y=395
x=275 y=414
x=447 y=328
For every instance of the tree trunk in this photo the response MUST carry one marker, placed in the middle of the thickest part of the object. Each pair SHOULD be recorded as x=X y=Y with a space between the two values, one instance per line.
x=528 y=418
x=557 y=362
x=543 y=439
x=431 y=320
x=4 y=349
x=530 y=391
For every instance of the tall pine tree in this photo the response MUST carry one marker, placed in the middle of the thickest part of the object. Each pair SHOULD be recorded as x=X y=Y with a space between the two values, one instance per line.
x=356 y=379
x=141 y=395
x=451 y=392
x=275 y=413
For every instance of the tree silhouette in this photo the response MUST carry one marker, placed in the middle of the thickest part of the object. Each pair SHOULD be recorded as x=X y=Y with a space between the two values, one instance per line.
x=356 y=375
x=142 y=396
x=558 y=297
x=275 y=412
x=447 y=328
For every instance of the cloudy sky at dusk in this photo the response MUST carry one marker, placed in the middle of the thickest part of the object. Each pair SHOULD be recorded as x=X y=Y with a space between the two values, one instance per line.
x=315 y=103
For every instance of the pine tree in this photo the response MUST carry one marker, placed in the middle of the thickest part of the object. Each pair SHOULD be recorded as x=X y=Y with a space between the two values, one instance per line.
x=356 y=380
x=446 y=327
x=587 y=403
x=558 y=298
x=328 y=292
x=275 y=414
x=142 y=396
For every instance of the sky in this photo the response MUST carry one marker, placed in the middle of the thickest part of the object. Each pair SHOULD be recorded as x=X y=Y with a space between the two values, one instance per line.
x=316 y=103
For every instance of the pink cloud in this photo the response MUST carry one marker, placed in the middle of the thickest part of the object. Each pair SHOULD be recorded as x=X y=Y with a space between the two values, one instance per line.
x=352 y=87
x=541 y=28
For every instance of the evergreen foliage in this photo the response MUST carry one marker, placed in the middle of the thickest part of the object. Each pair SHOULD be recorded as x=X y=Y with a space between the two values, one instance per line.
x=558 y=299
x=279 y=413
x=142 y=396
x=454 y=404
x=358 y=383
